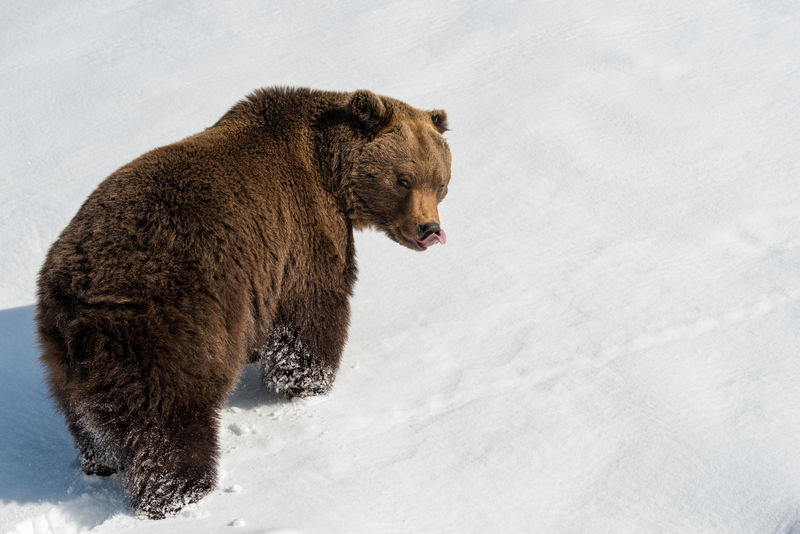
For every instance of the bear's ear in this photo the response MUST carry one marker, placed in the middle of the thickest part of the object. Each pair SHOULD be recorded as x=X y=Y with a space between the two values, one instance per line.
x=368 y=109
x=439 y=120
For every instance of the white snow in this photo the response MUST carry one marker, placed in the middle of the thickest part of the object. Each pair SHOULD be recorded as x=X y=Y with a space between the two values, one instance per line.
x=607 y=343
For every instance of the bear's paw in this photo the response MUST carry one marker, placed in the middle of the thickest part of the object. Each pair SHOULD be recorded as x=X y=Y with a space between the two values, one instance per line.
x=289 y=368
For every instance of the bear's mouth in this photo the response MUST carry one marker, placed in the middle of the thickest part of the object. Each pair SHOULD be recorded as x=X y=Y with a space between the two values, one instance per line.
x=430 y=240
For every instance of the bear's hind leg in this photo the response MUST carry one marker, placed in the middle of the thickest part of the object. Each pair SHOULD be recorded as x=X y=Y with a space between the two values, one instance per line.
x=95 y=458
x=170 y=464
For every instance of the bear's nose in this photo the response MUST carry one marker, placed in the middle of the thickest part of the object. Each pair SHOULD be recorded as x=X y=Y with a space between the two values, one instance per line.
x=424 y=230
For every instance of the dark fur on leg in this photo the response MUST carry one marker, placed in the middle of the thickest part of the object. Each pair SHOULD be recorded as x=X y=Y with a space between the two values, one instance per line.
x=95 y=460
x=160 y=434
x=171 y=467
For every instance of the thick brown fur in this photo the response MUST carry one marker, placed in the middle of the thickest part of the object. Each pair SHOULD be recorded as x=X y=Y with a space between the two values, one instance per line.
x=231 y=245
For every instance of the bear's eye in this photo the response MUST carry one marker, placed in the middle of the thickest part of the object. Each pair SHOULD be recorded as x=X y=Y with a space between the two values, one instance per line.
x=403 y=182
x=441 y=188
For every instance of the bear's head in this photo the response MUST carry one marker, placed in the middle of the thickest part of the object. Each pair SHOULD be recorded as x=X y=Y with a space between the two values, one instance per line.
x=403 y=170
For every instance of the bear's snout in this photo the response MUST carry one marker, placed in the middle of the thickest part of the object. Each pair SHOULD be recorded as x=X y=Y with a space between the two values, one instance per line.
x=424 y=230
x=430 y=234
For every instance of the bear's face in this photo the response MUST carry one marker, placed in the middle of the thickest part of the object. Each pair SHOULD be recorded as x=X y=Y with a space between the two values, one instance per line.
x=403 y=174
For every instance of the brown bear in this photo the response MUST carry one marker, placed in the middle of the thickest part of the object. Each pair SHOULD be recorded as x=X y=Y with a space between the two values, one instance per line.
x=232 y=245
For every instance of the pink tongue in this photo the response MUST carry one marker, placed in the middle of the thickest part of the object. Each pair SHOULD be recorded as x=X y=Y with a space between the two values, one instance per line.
x=432 y=239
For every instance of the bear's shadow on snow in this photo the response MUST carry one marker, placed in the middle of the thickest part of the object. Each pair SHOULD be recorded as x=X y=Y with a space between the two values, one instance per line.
x=37 y=457
x=38 y=460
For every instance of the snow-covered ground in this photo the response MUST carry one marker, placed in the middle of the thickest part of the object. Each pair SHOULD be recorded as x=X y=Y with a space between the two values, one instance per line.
x=607 y=343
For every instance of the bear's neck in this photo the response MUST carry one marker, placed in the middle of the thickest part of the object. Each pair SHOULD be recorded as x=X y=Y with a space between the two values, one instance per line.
x=338 y=148
x=336 y=144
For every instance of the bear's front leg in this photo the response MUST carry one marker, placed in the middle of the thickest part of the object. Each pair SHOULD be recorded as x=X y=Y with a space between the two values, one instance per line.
x=304 y=347
x=290 y=368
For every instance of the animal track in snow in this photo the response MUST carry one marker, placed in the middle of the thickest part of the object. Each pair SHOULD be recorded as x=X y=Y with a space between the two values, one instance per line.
x=698 y=327
x=241 y=429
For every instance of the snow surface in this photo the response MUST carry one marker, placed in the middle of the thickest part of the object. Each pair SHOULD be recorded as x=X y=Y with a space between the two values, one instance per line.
x=607 y=343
